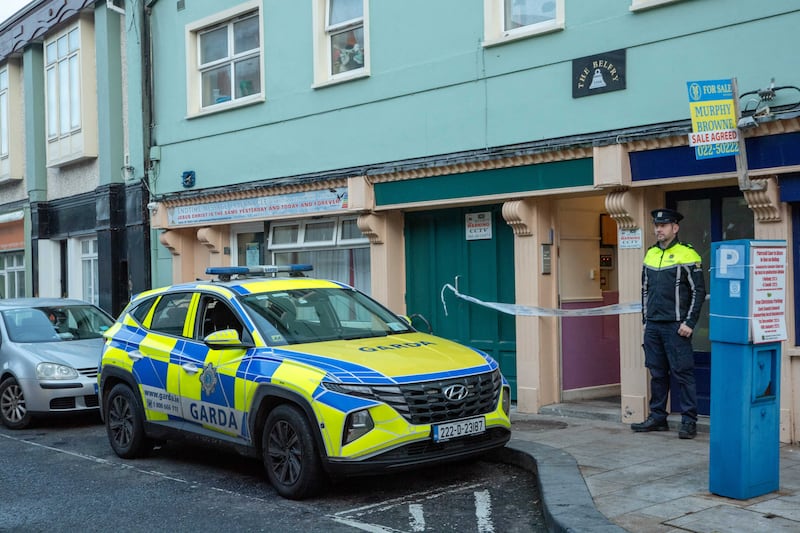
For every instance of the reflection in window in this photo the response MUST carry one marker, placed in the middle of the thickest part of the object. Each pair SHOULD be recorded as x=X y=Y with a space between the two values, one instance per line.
x=63 y=82
x=230 y=61
x=345 y=29
x=519 y=13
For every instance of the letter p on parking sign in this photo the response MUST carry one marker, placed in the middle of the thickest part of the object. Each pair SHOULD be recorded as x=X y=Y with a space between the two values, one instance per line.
x=730 y=262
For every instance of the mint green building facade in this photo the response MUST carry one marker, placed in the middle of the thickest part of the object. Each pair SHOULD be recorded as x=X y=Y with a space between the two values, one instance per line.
x=513 y=149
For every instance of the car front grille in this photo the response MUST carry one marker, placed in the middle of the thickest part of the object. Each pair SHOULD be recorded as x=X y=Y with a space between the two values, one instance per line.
x=425 y=402
x=68 y=402
x=88 y=372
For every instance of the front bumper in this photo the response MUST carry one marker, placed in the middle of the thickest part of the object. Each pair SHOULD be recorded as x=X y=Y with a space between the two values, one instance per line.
x=420 y=453
x=57 y=396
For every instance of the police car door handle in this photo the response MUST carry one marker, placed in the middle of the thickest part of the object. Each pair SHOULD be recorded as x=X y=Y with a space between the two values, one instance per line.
x=135 y=355
x=190 y=368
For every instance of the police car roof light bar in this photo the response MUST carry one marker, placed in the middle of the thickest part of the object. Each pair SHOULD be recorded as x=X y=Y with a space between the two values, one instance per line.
x=225 y=273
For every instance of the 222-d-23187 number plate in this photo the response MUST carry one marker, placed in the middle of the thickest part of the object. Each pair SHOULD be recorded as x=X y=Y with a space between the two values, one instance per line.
x=461 y=428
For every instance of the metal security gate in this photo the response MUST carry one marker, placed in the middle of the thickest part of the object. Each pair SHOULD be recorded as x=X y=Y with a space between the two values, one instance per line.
x=440 y=250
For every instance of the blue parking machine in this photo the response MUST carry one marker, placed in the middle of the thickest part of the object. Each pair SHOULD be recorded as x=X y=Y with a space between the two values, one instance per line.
x=747 y=325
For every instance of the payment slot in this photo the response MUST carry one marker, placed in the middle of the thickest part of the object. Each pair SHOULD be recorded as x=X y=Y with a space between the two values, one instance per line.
x=746 y=326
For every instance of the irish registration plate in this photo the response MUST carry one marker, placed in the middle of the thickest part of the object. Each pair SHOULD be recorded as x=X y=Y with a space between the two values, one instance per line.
x=461 y=428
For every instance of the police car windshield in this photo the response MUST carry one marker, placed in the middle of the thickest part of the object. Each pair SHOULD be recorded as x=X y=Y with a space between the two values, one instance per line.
x=316 y=315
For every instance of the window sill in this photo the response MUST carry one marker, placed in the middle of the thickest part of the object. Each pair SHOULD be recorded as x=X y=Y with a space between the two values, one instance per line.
x=642 y=5
x=342 y=78
x=523 y=33
x=228 y=106
x=10 y=179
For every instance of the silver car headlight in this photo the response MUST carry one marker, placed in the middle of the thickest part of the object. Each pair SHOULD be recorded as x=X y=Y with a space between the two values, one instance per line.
x=55 y=371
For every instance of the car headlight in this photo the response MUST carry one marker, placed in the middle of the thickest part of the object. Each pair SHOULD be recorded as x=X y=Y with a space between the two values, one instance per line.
x=55 y=371
x=358 y=424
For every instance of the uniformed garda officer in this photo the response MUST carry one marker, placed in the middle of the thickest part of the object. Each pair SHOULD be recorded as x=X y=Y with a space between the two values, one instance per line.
x=673 y=291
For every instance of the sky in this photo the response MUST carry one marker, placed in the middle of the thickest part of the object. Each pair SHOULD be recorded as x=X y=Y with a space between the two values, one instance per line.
x=9 y=7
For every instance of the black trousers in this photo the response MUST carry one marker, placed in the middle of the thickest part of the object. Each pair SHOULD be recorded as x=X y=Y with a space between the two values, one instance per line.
x=667 y=352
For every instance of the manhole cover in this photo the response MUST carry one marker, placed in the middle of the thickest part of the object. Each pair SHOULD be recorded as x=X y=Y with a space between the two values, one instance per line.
x=537 y=425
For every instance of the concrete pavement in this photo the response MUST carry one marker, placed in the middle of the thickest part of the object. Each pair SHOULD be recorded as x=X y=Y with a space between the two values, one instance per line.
x=595 y=474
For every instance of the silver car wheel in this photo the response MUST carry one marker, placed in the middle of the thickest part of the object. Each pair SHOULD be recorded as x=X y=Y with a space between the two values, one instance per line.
x=13 y=410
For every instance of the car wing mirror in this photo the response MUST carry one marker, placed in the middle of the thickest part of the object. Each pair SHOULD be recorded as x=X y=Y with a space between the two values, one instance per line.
x=225 y=338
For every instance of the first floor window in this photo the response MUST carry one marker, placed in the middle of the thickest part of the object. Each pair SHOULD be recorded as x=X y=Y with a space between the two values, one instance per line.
x=519 y=13
x=63 y=83
x=230 y=60
x=3 y=112
x=345 y=30
x=12 y=275
x=89 y=274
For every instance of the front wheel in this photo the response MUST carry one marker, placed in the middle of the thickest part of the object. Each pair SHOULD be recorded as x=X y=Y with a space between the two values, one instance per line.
x=13 y=410
x=290 y=454
x=125 y=423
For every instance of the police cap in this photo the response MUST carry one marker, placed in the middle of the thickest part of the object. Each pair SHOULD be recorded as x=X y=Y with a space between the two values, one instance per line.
x=666 y=216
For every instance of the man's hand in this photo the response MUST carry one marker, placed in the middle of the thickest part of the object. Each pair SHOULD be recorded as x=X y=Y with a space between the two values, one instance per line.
x=684 y=330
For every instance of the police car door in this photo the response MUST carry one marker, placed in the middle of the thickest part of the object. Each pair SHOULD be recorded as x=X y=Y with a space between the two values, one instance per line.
x=208 y=377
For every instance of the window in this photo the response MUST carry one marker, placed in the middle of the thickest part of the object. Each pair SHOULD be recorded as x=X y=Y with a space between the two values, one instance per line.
x=62 y=71
x=647 y=4
x=334 y=246
x=4 y=112
x=170 y=313
x=507 y=20
x=226 y=51
x=12 y=275
x=70 y=94
x=12 y=153
x=341 y=40
x=89 y=270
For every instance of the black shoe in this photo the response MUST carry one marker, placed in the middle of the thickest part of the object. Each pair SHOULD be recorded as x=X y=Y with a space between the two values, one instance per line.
x=688 y=430
x=651 y=424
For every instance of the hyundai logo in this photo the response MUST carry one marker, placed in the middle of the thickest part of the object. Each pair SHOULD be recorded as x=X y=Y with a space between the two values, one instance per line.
x=456 y=392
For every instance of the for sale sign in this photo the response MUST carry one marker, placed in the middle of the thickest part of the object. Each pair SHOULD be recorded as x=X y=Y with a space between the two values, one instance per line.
x=713 y=111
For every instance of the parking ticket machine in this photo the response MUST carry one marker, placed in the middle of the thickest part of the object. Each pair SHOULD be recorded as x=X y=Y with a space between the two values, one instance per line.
x=746 y=326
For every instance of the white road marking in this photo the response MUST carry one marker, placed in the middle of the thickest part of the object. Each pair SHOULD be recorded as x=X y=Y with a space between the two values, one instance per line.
x=417 y=521
x=483 y=511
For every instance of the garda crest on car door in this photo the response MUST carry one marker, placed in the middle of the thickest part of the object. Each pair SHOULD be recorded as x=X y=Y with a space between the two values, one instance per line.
x=208 y=382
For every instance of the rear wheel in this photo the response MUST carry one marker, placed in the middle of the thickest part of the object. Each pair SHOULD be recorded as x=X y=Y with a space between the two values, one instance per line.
x=125 y=423
x=13 y=410
x=290 y=454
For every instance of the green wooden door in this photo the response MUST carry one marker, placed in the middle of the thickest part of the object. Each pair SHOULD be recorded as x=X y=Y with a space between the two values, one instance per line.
x=437 y=253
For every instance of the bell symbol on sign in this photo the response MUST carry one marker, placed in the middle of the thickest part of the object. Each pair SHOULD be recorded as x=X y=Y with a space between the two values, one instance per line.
x=597 y=80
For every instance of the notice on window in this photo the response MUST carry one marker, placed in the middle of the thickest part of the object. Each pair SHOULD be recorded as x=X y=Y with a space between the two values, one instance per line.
x=479 y=226
x=768 y=303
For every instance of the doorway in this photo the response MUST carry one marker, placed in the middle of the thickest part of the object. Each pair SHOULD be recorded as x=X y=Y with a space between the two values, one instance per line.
x=441 y=249
x=711 y=215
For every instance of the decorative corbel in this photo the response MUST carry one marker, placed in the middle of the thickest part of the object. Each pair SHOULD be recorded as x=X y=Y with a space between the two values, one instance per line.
x=764 y=201
x=620 y=205
x=373 y=227
x=211 y=238
x=519 y=215
x=171 y=240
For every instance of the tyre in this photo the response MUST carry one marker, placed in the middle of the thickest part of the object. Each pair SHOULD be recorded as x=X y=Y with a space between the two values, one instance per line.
x=125 y=423
x=13 y=411
x=290 y=454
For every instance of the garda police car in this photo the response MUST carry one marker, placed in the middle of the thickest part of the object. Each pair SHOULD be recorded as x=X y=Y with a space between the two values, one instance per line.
x=311 y=376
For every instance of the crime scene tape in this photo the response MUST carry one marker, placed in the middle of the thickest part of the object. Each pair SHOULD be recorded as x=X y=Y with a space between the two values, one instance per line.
x=527 y=310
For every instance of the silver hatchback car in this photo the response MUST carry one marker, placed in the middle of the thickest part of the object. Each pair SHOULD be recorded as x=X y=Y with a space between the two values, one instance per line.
x=49 y=353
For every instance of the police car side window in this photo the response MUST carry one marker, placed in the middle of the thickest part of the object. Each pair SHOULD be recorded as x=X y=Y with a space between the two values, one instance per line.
x=141 y=310
x=170 y=313
x=215 y=315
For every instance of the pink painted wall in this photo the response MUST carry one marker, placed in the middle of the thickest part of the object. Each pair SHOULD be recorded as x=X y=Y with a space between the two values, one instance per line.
x=590 y=346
